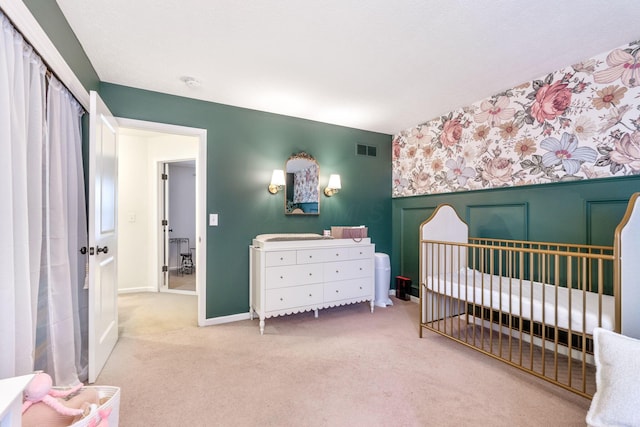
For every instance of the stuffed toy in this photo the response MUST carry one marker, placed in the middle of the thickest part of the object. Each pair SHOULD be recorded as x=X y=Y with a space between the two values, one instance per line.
x=39 y=390
x=42 y=415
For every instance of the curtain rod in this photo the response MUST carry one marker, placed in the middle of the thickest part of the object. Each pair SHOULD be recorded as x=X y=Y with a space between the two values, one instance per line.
x=49 y=72
x=25 y=24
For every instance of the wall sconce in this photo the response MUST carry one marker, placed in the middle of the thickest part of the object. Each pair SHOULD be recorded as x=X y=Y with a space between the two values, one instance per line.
x=277 y=181
x=333 y=186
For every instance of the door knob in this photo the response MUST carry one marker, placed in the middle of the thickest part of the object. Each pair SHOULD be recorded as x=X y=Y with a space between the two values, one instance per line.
x=104 y=249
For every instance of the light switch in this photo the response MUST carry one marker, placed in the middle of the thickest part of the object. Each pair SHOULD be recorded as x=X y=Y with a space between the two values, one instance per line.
x=213 y=220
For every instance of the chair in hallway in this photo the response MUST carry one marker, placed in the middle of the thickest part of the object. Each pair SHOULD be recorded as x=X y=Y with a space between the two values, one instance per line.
x=186 y=262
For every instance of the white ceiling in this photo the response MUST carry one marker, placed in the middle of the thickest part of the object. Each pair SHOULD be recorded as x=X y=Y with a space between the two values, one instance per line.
x=379 y=65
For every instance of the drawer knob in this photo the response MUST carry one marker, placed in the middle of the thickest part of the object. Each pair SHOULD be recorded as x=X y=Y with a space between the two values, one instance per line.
x=281 y=299
x=281 y=277
x=310 y=274
x=310 y=295
x=337 y=291
x=337 y=254
x=281 y=258
x=310 y=256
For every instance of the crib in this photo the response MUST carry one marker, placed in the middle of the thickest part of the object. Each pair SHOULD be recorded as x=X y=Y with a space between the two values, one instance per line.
x=532 y=305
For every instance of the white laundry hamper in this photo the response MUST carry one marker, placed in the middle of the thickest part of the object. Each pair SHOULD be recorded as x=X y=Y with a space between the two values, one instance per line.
x=382 y=279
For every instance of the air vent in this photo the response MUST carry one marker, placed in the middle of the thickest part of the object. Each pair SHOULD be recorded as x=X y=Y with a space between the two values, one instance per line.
x=366 y=150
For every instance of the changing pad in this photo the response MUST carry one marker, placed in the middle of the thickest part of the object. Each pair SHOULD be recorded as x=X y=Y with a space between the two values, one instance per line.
x=287 y=237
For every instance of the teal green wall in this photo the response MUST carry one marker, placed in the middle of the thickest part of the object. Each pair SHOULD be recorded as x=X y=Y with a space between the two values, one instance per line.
x=581 y=212
x=243 y=148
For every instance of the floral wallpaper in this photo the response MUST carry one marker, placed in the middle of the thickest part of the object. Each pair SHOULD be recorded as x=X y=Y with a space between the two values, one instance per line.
x=305 y=185
x=581 y=122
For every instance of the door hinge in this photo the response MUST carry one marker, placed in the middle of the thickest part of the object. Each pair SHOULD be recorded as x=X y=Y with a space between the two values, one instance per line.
x=165 y=222
x=164 y=177
x=165 y=268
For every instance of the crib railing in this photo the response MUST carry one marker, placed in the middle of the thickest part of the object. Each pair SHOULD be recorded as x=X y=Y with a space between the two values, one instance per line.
x=547 y=345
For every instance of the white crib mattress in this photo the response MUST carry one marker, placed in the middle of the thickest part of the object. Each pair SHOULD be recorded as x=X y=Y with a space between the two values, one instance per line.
x=503 y=293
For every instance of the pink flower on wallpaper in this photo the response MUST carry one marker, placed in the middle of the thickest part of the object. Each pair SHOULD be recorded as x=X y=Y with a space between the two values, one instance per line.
x=496 y=112
x=623 y=66
x=498 y=171
x=551 y=101
x=451 y=133
x=627 y=151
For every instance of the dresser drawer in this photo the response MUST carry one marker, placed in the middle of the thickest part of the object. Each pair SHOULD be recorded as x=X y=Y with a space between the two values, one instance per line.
x=296 y=296
x=347 y=269
x=365 y=251
x=293 y=275
x=347 y=289
x=307 y=256
x=280 y=258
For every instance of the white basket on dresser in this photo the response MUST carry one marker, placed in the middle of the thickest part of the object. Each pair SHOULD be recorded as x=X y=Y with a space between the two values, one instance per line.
x=300 y=272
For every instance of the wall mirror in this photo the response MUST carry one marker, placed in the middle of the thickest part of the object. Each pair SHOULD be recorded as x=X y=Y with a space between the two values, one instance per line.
x=302 y=187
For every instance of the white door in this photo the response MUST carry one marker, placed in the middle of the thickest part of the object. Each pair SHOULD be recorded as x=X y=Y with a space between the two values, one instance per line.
x=103 y=286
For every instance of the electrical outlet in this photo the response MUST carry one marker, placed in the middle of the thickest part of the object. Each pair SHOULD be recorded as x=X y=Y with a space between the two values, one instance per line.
x=213 y=220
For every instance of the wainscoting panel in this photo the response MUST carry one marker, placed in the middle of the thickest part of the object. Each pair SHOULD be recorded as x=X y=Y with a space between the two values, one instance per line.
x=410 y=219
x=603 y=216
x=586 y=211
x=498 y=221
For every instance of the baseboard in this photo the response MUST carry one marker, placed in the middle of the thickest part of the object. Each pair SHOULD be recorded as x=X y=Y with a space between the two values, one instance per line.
x=246 y=316
x=226 y=319
x=134 y=290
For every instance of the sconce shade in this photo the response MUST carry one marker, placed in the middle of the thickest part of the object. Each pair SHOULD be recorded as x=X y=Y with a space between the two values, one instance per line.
x=278 y=177
x=333 y=186
x=277 y=181
x=334 y=182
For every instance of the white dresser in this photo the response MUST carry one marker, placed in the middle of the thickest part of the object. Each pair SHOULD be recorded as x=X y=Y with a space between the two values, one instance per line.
x=292 y=275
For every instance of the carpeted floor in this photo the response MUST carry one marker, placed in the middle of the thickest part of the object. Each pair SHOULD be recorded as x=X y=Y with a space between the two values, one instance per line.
x=182 y=281
x=346 y=368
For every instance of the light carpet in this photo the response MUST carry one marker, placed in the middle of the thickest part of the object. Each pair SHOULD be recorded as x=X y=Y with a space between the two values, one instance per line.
x=348 y=367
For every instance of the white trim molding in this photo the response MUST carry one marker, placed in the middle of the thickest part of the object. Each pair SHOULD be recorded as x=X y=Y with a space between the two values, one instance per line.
x=226 y=319
x=201 y=201
x=24 y=21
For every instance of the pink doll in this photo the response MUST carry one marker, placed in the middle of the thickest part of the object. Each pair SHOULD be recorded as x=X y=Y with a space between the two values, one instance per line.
x=39 y=390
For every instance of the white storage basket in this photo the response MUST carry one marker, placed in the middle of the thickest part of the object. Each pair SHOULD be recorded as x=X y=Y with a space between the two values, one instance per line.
x=112 y=394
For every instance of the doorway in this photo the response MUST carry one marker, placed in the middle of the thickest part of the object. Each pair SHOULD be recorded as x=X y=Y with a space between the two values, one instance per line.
x=178 y=206
x=144 y=148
